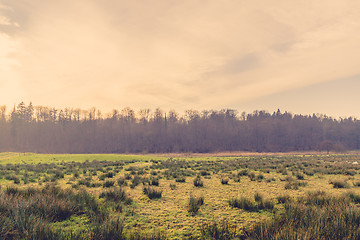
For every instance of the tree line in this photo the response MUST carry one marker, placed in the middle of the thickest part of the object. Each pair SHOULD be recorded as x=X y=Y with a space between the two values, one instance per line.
x=28 y=128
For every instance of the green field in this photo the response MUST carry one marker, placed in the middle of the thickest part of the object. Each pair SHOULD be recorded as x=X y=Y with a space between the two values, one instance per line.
x=224 y=179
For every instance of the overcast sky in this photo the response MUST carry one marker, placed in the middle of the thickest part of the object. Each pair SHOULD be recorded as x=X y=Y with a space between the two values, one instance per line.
x=300 y=55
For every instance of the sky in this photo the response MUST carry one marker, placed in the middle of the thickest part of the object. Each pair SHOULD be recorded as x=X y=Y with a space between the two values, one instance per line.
x=301 y=56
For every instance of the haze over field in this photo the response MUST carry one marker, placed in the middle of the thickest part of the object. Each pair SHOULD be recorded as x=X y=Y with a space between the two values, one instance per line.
x=300 y=55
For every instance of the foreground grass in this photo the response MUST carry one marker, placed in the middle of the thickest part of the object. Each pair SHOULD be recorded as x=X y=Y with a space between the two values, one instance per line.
x=34 y=213
x=315 y=216
x=151 y=195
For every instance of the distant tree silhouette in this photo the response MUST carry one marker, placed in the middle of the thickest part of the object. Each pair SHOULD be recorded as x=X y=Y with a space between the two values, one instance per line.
x=50 y=130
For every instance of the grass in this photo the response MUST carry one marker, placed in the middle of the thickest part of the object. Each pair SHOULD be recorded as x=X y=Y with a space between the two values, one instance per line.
x=218 y=230
x=152 y=192
x=339 y=183
x=195 y=204
x=315 y=216
x=34 y=158
x=174 y=179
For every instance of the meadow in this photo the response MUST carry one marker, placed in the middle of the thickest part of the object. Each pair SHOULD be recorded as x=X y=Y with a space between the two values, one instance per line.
x=214 y=196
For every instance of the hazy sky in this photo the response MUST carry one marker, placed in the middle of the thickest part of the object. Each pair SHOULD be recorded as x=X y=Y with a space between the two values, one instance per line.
x=300 y=55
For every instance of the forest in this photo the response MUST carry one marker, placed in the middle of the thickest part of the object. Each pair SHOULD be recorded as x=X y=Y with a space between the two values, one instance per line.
x=28 y=128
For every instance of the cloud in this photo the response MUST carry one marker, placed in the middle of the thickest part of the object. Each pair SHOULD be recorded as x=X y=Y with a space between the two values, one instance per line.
x=10 y=88
x=173 y=54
